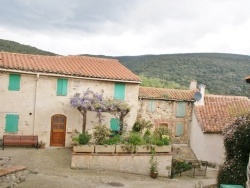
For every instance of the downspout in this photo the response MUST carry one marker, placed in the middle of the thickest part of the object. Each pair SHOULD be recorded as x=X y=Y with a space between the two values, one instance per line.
x=34 y=109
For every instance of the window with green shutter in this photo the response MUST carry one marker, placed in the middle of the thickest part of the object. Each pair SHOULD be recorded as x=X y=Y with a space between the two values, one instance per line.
x=119 y=91
x=11 y=124
x=62 y=87
x=115 y=124
x=181 y=109
x=151 y=105
x=14 y=82
x=179 y=129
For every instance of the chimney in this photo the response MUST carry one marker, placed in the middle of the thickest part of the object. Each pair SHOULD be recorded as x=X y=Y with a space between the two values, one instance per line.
x=193 y=85
x=201 y=102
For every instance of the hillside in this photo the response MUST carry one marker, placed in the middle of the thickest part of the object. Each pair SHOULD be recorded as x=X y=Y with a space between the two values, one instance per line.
x=11 y=46
x=221 y=73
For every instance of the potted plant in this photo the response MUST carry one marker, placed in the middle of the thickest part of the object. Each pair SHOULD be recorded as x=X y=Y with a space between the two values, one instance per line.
x=161 y=140
x=153 y=165
x=101 y=135
x=41 y=145
x=82 y=141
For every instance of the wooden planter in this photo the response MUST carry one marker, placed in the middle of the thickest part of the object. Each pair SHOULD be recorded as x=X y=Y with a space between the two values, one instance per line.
x=153 y=174
x=84 y=149
x=104 y=148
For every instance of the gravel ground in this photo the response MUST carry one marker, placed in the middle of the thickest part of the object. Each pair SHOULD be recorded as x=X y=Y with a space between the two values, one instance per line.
x=50 y=168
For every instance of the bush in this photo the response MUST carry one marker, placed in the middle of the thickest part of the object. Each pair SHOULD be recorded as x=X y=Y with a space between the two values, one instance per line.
x=101 y=133
x=237 y=146
x=141 y=124
x=84 y=138
x=113 y=140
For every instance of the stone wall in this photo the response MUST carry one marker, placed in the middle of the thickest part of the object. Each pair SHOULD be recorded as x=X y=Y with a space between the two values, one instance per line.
x=165 y=114
x=11 y=176
x=129 y=163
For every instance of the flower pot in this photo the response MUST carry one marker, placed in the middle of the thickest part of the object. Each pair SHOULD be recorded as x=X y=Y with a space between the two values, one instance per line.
x=84 y=149
x=104 y=148
x=153 y=174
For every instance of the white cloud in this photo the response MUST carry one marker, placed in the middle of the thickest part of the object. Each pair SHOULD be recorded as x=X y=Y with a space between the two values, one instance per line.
x=128 y=27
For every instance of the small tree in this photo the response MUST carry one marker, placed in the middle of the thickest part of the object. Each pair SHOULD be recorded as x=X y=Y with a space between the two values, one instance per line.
x=90 y=101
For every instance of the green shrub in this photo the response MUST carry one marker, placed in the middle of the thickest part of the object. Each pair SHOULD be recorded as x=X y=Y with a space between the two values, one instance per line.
x=113 y=140
x=141 y=124
x=84 y=138
x=101 y=133
x=237 y=146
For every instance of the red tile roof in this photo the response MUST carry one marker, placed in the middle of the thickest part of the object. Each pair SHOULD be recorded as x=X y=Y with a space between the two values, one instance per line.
x=166 y=94
x=80 y=66
x=220 y=110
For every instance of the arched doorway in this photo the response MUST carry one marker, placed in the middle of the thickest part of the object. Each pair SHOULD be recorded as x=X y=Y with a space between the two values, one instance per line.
x=58 y=130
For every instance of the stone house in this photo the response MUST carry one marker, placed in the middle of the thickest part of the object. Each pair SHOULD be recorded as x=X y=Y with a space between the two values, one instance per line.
x=210 y=116
x=168 y=107
x=35 y=93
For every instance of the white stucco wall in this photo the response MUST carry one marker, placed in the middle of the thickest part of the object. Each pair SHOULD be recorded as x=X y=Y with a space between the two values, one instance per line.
x=207 y=147
x=35 y=115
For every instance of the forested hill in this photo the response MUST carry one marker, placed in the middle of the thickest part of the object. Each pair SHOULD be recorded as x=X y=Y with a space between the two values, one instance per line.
x=221 y=73
x=11 y=46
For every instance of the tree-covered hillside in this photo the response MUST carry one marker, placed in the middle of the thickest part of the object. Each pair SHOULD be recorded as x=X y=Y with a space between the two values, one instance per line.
x=221 y=73
x=11 y=46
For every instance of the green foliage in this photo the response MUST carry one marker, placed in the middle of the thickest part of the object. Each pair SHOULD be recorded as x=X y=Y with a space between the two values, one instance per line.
x=84 y=138
x=101 y=133
x=179 y=166
x=113 y=140
x=11 y=46
x=153 y=161
x=141 y=124
x=237 y=146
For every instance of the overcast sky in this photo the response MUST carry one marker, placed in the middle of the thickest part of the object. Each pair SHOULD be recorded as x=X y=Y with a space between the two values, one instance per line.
x=128 y=27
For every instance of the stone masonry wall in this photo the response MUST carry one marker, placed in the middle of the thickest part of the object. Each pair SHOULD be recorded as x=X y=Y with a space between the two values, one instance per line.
x=165 y=115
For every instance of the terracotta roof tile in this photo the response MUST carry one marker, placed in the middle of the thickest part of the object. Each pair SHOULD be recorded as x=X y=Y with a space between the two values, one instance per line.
x=166 y=94
x=220 y=110
x=81 y=66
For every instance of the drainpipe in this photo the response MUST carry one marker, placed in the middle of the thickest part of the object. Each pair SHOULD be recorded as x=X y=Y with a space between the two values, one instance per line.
x=34 y=109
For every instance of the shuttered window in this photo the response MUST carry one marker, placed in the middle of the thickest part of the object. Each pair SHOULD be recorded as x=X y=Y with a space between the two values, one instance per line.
x=151 y=105
x=114 y=124
x=62 y=87
x=181 y=109
x=14 y=82
x=119 y=92
x=179 y=129
x=11 y=124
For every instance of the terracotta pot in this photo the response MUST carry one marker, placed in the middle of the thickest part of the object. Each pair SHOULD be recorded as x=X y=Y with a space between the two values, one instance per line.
x=153 y=174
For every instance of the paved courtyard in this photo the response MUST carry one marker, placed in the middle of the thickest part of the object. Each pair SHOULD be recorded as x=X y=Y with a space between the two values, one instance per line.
x=51 y=168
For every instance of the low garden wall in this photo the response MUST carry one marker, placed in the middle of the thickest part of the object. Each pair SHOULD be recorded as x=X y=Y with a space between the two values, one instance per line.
x=130 y=163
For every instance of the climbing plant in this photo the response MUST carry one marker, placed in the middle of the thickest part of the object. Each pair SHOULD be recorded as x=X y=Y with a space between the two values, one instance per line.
x=237 y=147
x=91 y=101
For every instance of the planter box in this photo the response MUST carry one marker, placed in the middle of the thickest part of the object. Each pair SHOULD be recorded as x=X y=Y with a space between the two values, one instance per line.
x=122 y=149
x=104 y=148
x=84 y=149
x=143 y=149
x=163 y=149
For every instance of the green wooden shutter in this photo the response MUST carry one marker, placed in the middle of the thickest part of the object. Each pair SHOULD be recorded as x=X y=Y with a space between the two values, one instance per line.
x=11 y=123
x=14 y=82
x=114 y=124
x=181 y=109
x=62 y=87
x=151 y=105
x=179 y=129
x=119 y=91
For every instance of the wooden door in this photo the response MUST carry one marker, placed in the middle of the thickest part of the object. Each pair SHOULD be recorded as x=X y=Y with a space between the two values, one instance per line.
x=58 y=130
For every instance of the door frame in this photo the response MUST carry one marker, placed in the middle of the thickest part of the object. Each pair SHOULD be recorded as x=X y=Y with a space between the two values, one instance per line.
x=65 y=124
